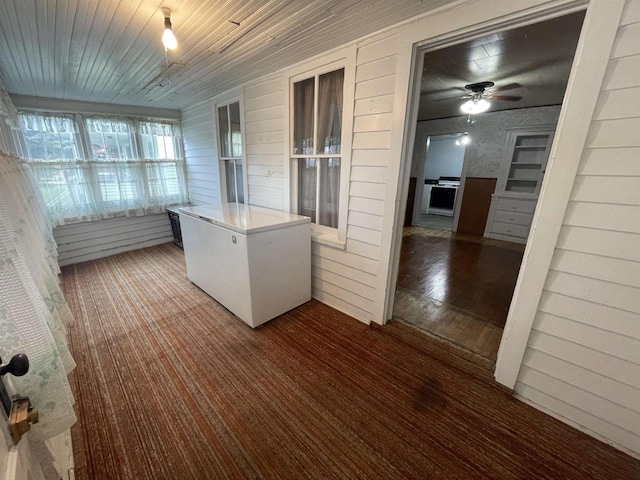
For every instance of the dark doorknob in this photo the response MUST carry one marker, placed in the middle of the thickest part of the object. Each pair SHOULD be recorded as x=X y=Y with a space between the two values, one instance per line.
x=17 y=366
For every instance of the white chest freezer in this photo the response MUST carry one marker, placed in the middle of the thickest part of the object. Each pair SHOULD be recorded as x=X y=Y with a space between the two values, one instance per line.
x=255 y=261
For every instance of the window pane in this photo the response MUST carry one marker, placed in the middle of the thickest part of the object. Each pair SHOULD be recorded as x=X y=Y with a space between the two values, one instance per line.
x=53 y=145
x=163 y=181
x=223 y=120
x=303 y=116
x=236 y=135
x=307 y=173
x=64 y=188
x=36 y=149
x=49 y=138
x=118 y=186
x=158 y=140
x=330 y=112
x=231 y=181
x=239 y=181
x=115 y=181
x=329 y=192
x=111 y=139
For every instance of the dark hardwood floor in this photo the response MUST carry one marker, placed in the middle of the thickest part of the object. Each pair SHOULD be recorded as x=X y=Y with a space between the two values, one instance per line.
x=458 y=287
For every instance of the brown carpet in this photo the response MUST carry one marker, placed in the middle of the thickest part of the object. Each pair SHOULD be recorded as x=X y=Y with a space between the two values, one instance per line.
x=169 y=385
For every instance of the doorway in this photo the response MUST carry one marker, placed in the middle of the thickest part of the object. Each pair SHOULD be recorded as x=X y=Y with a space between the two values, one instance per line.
x=500 y=95
x=444 y=157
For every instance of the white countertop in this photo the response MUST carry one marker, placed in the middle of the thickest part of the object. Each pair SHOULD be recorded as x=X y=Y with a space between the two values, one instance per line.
x=244 y=219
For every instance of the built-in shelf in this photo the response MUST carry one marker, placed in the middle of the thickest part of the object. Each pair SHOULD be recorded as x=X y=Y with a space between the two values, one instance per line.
x=522 y=170
x=527 y=156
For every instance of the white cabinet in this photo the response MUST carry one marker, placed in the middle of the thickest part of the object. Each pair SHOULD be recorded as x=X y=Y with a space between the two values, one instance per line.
x=510 y=218
x=255 y=261
x=522 y=171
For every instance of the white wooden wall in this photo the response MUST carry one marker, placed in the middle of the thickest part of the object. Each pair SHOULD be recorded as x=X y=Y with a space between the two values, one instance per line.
x=81 y=242
x=200 y=149
x=7 y=144
x=264 y=141
x=347 y=279
x=344 y=278
x=582 y=363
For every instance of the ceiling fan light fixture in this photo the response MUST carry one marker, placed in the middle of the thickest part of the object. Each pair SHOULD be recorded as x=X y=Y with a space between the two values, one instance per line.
x=475 y=106
x=168 y=38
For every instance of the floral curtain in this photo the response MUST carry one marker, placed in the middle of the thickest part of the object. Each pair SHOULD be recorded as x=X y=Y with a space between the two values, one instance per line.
x=33 y=312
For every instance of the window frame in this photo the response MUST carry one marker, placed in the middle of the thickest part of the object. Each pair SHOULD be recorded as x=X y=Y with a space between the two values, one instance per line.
x=86 y=157
x=341 y=59
x=225 y=100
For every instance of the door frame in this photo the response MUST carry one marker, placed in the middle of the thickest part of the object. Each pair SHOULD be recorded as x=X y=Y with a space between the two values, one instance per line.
x=589 y=65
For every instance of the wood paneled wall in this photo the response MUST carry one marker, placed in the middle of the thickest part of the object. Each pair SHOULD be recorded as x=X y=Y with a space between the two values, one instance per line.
x=80 y=242
x=264 y=140
x=582 y=362
x=343 y=278
x=347 y=279
x=201 y=153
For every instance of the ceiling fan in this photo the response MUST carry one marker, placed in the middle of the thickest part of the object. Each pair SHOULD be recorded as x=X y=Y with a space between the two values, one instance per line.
x=480 y=89
x=480 y=94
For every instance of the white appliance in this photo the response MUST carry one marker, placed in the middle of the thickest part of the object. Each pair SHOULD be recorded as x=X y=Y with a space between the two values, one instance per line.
x=440 y=198
x=255 y=261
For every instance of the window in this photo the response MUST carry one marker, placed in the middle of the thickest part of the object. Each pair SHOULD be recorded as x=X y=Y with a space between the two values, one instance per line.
x=116 y=166
x=161 y=147
x=317 y=109
x=230 y=146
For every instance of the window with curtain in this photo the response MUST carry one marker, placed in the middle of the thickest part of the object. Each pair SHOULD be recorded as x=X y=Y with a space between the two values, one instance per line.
x=92 y=167
x=230 y=150
x=316 y=152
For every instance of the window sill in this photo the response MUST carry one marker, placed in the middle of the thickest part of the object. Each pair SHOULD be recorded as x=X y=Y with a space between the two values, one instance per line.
x=329 y=238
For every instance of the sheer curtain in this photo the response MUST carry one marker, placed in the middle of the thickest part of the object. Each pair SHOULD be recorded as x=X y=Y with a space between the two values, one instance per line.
x=319 y=178
x=329 y=192
x=330 y=112
x=329 y=142
x=52 y=145
x=131 y=166
x=33 y=312
x=303 y=97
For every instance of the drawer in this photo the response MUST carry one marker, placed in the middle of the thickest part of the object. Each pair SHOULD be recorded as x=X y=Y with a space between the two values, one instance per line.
x=510 y=229
x=513 y=217
x=522 y=206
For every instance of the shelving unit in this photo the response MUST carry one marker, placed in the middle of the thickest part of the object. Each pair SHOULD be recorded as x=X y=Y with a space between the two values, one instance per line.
x=522 y=172
x=529 y=153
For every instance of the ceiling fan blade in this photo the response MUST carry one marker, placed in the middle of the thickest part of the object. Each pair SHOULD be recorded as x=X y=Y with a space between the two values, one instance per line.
x=508 y=98
x=457 y=97
x=508 y=86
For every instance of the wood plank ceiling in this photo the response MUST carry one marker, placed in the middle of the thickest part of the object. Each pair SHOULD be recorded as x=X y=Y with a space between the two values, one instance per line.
x=111 y=51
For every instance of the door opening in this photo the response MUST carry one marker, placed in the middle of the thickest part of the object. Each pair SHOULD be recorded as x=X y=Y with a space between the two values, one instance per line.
x=487 y=114
x=444 y=156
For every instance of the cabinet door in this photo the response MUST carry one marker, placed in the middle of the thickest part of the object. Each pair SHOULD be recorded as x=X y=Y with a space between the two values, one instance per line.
x=527 y=162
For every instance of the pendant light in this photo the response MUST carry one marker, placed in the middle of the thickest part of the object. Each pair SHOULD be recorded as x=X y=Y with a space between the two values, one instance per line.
x=168 y=38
